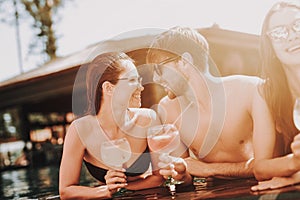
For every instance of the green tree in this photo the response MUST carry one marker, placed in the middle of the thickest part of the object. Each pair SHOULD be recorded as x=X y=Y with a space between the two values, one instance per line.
x=42 y=11
x=44 y=14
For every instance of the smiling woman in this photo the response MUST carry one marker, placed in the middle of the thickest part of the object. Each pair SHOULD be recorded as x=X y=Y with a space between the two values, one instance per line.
x=114 y=114
x=280 y=49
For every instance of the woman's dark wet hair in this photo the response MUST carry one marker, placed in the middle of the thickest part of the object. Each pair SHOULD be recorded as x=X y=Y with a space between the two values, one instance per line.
x=105 y=67
x=276 y=89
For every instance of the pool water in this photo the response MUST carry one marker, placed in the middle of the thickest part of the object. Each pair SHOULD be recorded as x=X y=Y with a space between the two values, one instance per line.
x=34 y=183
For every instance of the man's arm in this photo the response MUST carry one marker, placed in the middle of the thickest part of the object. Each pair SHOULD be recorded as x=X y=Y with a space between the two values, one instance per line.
x=220 y=170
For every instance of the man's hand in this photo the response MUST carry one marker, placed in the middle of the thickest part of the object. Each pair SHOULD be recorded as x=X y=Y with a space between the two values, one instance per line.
x=172 y=166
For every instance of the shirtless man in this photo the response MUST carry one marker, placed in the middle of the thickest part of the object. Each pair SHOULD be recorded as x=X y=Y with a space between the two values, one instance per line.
x=222 y=120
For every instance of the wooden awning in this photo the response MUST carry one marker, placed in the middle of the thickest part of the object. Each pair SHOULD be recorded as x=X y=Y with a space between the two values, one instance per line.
x=56 y=78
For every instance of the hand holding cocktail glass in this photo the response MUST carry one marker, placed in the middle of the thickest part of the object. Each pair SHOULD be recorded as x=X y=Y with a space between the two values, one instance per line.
x=115 y=153
x=164 y=139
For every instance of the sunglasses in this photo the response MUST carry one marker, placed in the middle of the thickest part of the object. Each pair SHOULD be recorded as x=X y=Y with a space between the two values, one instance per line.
x=281 y=33
x=158 y=67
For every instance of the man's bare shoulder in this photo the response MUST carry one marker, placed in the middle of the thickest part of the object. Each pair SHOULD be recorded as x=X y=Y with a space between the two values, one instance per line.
x=242 y=82
x=243 y=89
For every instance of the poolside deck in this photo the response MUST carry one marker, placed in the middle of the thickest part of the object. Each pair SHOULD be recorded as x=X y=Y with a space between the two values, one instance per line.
x=217 y=189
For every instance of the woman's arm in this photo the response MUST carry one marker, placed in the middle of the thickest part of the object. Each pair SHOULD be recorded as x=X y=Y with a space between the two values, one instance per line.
x=70 y=168
x=264 y=139
x=294 y=160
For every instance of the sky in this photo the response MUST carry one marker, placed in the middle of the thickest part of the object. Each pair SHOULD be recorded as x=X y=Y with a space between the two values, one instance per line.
x=86 y=22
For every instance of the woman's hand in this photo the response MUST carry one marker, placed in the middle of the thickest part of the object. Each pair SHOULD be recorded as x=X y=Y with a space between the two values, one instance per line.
x=277 y=182
x=115 y=180
x=295 y=147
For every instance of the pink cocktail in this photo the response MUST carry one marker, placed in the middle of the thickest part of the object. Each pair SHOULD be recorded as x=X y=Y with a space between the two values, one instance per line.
x=164 y=139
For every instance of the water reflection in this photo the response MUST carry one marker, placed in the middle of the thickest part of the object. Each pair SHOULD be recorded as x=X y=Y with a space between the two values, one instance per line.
x=34 y=183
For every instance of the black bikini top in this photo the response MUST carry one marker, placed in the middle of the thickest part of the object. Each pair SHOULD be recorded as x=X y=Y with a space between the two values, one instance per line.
x=139 y=167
